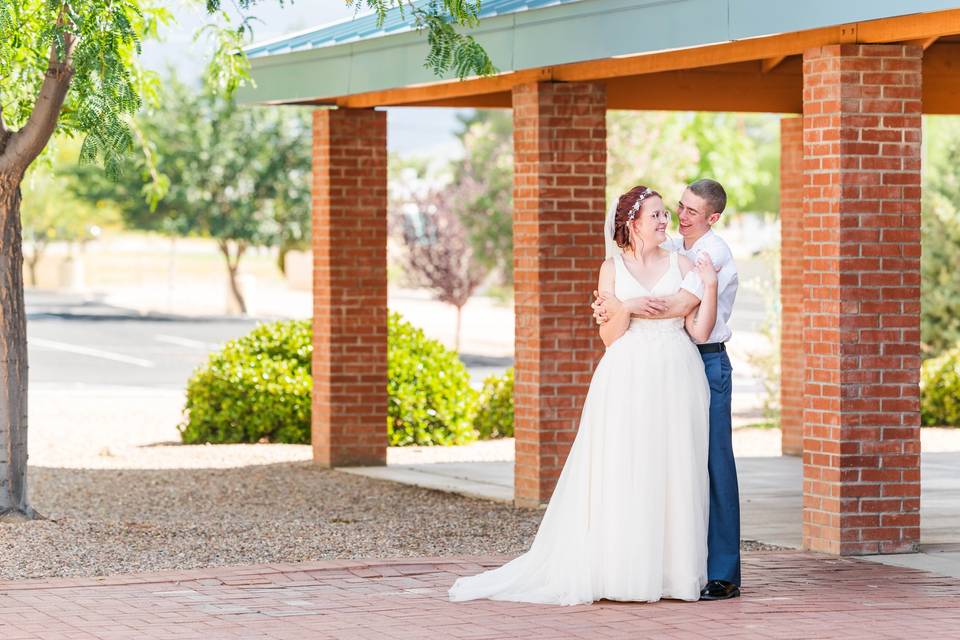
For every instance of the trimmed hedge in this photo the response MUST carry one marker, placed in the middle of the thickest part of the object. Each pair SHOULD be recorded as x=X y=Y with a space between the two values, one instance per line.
x=940 y=390
x=258 y=387
x=495 y=416
x=429 y=398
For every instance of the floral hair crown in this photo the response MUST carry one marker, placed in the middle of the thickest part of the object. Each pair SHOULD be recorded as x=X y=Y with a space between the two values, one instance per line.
x=636 y=205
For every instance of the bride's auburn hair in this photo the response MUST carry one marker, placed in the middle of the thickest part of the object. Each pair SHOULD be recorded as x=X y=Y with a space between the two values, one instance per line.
x=628 y=208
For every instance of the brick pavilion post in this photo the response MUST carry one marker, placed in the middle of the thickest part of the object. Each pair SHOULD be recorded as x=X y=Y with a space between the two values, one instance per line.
x=349 y=287
x=861 y=334
x=560 y=150
x=791 y=285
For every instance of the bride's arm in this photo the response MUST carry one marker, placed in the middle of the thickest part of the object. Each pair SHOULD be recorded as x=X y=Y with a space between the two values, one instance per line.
x=699 y=323
x=678 y=305
x=618 y=316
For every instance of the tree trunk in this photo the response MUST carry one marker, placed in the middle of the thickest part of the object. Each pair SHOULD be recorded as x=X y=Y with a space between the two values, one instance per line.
x=33 y=261
x=17 y=151
x=235 y=290
x=282 y=252
x=233 y=267
x=456 y=335
x=13 y=359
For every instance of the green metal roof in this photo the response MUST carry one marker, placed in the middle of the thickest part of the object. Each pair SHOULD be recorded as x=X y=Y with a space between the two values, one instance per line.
x=364 y=27
x=355 y=56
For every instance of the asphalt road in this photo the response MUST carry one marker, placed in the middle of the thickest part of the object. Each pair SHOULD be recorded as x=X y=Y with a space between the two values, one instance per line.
x=73 y=342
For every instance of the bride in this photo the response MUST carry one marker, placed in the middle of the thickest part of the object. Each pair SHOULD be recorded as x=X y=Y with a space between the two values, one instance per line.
x=628 y=518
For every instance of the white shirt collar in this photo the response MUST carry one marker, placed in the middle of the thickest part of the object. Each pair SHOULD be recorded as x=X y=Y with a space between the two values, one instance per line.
x=702 y=238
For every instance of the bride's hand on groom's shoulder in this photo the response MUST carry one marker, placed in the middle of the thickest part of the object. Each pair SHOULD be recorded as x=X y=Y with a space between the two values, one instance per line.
x=705 y=269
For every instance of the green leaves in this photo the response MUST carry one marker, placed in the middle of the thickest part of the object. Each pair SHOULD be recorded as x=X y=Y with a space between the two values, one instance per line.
x=209 y=167
x=98 y=42
x=449 y=49
x=494 y=417
x=940 y=390
x=430 y=401
x=258 y=387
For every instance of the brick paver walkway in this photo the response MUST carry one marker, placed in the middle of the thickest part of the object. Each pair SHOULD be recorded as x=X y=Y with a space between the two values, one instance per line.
x=787 y=595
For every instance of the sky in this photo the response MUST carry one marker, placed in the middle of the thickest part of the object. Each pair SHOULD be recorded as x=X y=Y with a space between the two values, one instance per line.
x=410 y=131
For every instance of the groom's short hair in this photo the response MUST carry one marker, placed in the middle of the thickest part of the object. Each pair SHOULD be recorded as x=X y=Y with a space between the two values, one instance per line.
x=711 y=191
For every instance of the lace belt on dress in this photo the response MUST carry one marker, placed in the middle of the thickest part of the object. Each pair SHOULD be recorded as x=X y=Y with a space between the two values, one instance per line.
x=670 y=325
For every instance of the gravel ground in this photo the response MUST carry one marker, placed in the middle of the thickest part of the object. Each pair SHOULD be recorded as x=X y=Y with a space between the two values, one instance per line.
x=108 y=521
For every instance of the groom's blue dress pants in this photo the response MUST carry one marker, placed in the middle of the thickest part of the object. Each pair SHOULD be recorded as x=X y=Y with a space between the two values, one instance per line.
x=723 y=533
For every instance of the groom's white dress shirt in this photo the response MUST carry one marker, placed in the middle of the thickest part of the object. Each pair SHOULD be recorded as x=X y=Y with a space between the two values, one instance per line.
x=727 y=279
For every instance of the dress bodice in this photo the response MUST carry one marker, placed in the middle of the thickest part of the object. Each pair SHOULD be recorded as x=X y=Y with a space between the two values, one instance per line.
x=626 y=286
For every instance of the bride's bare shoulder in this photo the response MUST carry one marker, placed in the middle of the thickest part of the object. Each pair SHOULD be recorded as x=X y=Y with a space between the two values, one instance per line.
x=608 y=273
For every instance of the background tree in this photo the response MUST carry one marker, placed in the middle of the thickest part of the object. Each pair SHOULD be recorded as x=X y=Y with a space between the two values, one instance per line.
x=235 y=174
x=292 y=209
x=940 y=237
x=70 y=65
x=486 y=170
x=438 y=253
x=51 y=212
x=647 y=147
x=668 y=150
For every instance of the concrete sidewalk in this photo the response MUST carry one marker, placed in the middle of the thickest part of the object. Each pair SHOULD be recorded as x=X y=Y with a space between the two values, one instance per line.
x=785 y=595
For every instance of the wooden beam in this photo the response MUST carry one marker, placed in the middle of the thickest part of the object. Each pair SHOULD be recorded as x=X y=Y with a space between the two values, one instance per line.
x=769 y=64
x=941 y=79
x=923 y=43
x=445 y=90
x=708 y=90
x=502 y=100
x=740 y=87
x=897 y=29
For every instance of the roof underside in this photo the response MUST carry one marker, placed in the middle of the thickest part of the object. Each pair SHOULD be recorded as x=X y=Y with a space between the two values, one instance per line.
x=724 y=55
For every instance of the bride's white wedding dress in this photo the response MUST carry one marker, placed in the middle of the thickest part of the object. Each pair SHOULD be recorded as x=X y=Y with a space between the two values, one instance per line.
x=628 y=517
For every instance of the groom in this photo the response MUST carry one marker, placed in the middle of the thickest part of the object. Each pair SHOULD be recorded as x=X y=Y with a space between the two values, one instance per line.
x=698 y=210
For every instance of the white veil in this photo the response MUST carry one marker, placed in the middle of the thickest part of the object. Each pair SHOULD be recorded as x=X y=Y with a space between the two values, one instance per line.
x=608 y=228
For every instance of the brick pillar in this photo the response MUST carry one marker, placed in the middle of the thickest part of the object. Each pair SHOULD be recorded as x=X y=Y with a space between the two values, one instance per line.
x=560 y=152
x=791 y=285
x=349 y=287
x=861 y=437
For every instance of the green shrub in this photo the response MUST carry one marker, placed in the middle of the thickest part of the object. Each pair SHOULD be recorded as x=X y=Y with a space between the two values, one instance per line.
x=258 y=386
x=940 y=389
x=430 y=400
x=495 y=413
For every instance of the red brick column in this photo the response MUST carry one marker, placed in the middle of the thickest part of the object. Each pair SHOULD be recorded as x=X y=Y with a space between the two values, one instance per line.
x=349 y=287
x=560 y=152
x=791 y=285
x=861 y=462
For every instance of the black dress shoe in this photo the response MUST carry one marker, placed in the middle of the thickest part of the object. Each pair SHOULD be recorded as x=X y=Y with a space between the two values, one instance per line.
x=719 y=590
